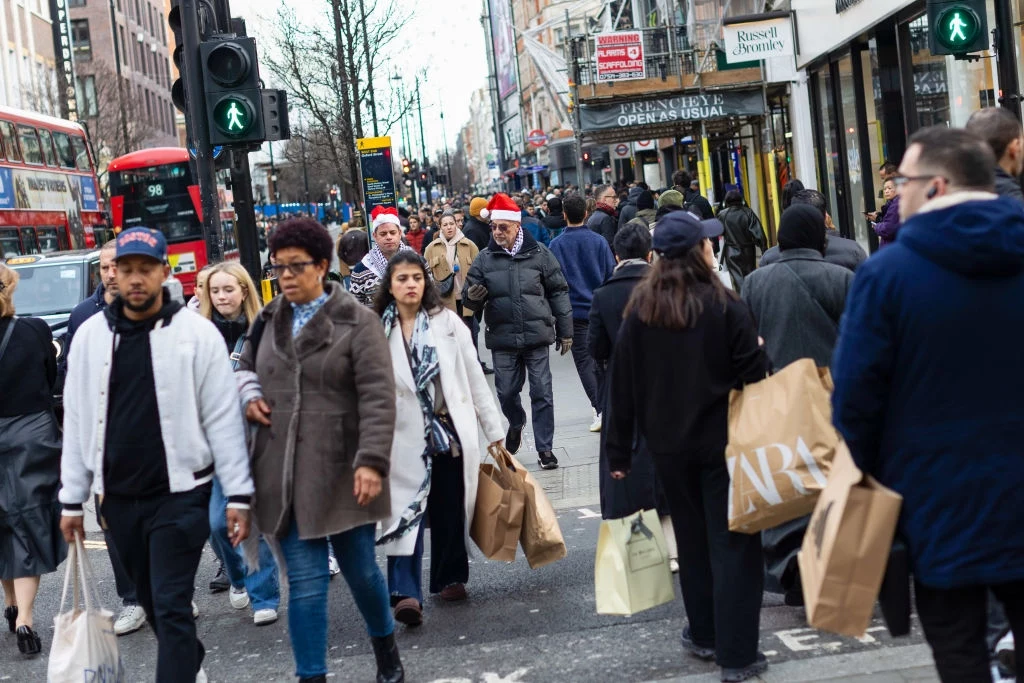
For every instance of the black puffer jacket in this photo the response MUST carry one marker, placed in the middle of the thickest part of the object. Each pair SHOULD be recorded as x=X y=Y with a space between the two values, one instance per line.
x=527 y=296
x=478 y=232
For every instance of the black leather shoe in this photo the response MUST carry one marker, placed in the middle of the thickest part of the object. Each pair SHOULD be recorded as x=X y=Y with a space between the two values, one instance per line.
x=11 y=615
x=220 y=582
x=389 y=666
x=513 y=439
x=28 y=641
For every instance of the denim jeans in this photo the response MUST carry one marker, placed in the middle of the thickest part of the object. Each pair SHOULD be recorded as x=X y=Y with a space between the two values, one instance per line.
x=405 y=573
x=307 y=591
x=586 y=368
x=262 y=584
x=510 y=371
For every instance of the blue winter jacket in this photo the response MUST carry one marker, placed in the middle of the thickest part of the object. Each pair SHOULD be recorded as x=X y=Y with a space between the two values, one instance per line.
x=586 y=262
x=928 y=377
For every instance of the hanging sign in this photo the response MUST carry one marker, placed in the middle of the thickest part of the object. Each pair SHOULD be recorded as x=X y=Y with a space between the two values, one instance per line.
x=620 y=56
x=667 y=110
x=537 y=138
x=377 y=173
x=756 y=40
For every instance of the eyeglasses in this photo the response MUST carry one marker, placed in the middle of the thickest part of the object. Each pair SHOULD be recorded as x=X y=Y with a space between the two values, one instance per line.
x=500 y=228
x=297 y=268
x=900 y=180
x=608 y=196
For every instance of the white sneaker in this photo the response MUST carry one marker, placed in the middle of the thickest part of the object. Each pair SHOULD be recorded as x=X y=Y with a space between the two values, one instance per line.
x=131 y=619
x=595 y=426
x=262 y=617
x=673 y=565
x=195 y=610
x=1006 y=654
x=201 y=677
x=333 y=568
x=239 y=598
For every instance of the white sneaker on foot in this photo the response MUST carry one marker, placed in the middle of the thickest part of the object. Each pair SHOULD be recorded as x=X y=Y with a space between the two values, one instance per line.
x=595 y=426
x=201 y=677
x=131 y=619
x=1006 y=653
x=333 y=568
x=673 y=565
x=239 y=598
x=262 y=617
x=195 y=610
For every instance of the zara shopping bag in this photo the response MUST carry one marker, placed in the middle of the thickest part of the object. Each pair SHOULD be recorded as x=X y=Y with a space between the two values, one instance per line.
x=541 y=537
x=631 y=572
x=84 y=644
x=846 y=548
x=781 y=445
x=498 y=516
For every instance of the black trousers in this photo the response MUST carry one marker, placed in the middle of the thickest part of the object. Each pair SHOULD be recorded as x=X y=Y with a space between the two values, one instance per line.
x=721 y=572
x=586 y=368
x=160 y=541
x=472 y=322
x=449 y=562
x=955 y=622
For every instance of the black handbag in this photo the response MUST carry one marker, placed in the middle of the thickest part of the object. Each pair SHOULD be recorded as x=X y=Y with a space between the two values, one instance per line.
x=445 y=286
x=894 y=597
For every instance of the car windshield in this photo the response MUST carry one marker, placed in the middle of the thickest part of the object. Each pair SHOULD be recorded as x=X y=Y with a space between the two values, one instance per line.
x=49 y=289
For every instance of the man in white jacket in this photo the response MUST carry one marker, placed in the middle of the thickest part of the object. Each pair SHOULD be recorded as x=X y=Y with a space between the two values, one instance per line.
x=151 y=413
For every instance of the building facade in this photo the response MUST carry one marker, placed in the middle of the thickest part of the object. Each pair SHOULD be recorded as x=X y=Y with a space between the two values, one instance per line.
x=123 y=74
x=27 y=67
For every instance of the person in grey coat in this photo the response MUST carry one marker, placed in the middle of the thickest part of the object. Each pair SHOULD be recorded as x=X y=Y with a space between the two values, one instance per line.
x=839 y=250
x=797 y=302
x=520 y=286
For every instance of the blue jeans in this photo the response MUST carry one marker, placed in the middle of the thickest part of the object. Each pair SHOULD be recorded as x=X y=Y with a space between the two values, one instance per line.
x=307 y=591
x=262 y=585
x=405 y=572
x=510 y=371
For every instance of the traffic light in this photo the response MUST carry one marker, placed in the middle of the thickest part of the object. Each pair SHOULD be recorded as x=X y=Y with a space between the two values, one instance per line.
x=957 y=27
x=207 y=26
x=586 y=157
x=231 y=80
x=406 y=166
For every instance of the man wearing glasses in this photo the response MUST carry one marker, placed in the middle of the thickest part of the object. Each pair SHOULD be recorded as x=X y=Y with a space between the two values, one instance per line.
x=605 y=219
x=519 y=284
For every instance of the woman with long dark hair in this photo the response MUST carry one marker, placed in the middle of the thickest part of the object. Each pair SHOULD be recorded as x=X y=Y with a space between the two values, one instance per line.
x=684 y=344
x=443 y=403
x=789 y=191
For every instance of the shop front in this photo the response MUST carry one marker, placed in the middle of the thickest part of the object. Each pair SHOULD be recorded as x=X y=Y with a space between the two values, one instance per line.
x=871 y=90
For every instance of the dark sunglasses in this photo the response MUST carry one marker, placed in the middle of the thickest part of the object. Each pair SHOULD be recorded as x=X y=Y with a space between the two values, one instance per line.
x=294 y=268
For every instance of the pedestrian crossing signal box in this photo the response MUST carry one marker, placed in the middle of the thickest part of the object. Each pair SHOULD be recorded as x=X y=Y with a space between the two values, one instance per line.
x=957 y=27
x=231 y=81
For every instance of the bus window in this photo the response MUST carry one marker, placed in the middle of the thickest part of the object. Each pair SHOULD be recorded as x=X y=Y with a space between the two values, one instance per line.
x=63 y=242
x=10 y=140
x=81 y=154
x=65 y=153
x=46 y=140
x=9 y=243
x=28 y=241
x=48 y=240
x=30 y=145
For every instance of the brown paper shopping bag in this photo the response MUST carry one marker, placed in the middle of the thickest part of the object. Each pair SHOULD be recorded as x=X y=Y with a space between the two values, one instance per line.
x=846 y=547
x=498 y=516
x=781 y=444
x=631 y=571
x=541 y=537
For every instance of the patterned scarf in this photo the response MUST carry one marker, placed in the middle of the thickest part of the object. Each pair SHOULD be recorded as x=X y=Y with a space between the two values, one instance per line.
x=518 y=243
x=424 y=366
x=377 y=262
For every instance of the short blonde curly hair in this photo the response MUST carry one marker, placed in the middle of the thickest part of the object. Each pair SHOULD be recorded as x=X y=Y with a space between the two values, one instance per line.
x=8 y=283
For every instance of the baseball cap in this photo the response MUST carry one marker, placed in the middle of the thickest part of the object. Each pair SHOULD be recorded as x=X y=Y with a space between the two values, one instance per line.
x=680 y=231
x=141 y=242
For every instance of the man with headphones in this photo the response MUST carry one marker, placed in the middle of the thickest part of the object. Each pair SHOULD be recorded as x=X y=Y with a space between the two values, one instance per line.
x=927 y=374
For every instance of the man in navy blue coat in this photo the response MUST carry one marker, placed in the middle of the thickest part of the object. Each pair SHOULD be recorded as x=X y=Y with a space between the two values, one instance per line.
x=928 y=375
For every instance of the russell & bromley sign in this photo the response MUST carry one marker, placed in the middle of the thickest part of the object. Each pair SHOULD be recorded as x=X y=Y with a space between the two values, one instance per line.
x=661 y=110
x=757 y=37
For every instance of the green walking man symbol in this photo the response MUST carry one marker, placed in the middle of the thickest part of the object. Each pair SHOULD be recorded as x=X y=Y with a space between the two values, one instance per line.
x=956 y=28
x=235 y=117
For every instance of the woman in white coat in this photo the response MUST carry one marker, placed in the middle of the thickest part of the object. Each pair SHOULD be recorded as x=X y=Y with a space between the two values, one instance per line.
x=443 y=405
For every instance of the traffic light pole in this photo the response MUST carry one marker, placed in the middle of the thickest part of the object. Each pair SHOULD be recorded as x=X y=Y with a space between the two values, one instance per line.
x=199 y=131
x=245 y=214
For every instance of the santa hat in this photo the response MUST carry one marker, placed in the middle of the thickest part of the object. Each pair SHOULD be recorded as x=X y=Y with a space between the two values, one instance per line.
x=502 y=208
x=384 y=214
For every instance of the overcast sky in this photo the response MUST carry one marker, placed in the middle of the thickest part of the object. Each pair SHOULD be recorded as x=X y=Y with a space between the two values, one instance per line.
x=444 y=38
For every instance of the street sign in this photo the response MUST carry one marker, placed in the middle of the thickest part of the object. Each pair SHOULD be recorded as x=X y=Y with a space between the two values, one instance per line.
x=957 y=27
x=622 y=150
x=217 y=151
x=537 y=138
x=377 y=173
x=619 y=56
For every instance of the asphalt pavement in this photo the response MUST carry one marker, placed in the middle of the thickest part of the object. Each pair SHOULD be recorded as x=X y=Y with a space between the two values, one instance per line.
x=534 y=626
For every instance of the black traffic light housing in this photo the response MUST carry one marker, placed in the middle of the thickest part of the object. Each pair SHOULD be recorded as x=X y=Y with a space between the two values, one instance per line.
x=957 y=27
x=207 y=27
x=231 y=81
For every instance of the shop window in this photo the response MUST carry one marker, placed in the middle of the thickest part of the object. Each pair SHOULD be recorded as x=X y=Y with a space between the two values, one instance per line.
x=854 y=166
x=828 y=127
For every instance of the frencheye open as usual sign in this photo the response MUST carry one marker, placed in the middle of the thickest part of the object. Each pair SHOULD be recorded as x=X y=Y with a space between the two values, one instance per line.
x=678 y=108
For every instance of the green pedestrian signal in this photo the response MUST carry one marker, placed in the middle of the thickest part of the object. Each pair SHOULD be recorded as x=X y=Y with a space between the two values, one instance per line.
x=234 y=97
x=232 y=116
x=957 y=27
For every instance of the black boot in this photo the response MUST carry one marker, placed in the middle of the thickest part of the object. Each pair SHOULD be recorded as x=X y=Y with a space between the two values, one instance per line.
x=389 y=666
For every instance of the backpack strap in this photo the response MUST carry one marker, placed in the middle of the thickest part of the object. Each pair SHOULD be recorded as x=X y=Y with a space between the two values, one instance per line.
x=7 y=335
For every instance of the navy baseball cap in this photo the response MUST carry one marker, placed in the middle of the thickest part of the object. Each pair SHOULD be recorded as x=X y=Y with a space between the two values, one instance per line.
x=680 y=231
x=142 y=242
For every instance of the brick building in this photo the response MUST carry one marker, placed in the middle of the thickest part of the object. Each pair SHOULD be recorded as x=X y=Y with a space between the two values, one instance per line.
x=26 y=56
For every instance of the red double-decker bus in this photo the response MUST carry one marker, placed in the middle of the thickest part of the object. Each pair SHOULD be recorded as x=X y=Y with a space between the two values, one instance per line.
x=49 y=197
x=154 y=188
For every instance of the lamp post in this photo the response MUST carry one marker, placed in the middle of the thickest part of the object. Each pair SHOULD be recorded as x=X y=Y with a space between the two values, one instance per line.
x=447 y=161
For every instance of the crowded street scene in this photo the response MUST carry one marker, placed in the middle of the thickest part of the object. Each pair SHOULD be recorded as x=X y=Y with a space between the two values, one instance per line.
x=486 y=341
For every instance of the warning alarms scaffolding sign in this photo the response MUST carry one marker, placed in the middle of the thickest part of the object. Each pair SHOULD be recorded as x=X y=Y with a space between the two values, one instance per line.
x=620 y=56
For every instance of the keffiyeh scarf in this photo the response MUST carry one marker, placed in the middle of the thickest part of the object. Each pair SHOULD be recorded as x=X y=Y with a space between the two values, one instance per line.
x=424 y=366
x=377 y=262
x=518 y=243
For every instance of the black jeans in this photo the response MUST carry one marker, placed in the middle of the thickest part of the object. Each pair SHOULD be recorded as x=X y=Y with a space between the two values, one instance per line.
x=160 y=541
x=954 y=622
x=721 y=572
x=123 y=583
x=449 y=562
x=586 y=368
x=472 y=322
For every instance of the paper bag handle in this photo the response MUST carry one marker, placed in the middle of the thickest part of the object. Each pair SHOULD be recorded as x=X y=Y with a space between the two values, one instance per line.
x=501 y=457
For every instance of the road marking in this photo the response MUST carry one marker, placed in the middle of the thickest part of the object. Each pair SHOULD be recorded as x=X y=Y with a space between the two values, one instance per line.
x=587 y=513
x=797 y=640
x=866 y=639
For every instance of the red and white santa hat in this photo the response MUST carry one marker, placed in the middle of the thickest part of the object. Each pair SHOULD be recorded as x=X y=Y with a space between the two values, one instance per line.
x=502 y=208
x=384 y=214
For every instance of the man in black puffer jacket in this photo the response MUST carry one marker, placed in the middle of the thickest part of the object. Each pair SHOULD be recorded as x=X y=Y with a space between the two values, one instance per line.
x=520 y=286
